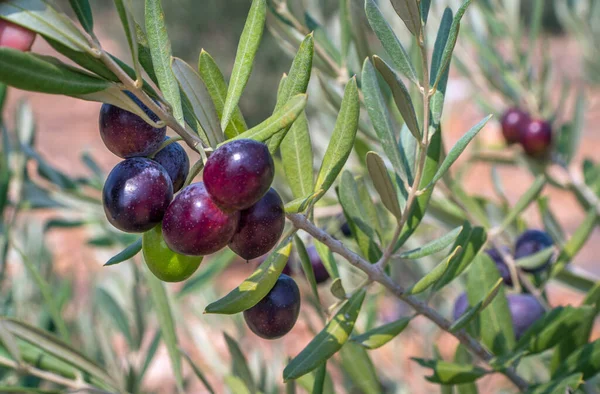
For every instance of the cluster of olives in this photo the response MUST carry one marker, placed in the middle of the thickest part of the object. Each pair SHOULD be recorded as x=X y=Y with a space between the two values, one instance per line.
x=233 y=206
x=534 y=135
x=525 y=309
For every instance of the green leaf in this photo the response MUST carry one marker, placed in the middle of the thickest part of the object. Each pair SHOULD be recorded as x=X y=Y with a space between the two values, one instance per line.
x=383 y=184
x=526 y=199
x=554 y=327
x=450 y=42
x=471 y=240
x=328 y=260
x=342 y=139
x=36 y=73
x=586 y=360
x=425 y=5
x=244 y=58
x=474 y=311
x=535 y=260
x=356 y=215
x=410 y=13
x=567 y=384
x=457 y=150
x=434 y=275
x=204 y=109
x=576 y=278
x=381 y=335
x=296 y=82
x=297 y=158
x=166 y=322
x=160 y=50
x=496 y=322
x=432 y=247
x=56 y=348
x=358 y=366
x=126 y=253
x=389 y=40
x=210 y=271
x=236 y=385
x=84 y=14
x=400 y=94
x=437 y=101
x=239 y=363
x=115 y=313
x=380 y=118
x=217 y=87
x=40 y=17
x=198 y=372
x=328 y=341
x=124 y=10
x=306 y=266
x=337 y=289
x=256 y=286
x=450 y=373
x=576 y=242
x=320 y=375
x=280 y=120
x=577 y=127
x=144 y=55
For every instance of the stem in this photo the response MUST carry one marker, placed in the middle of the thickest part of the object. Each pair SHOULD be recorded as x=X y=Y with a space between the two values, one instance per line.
x=420 y=165
x=577 y=184
x=376 y=274
x=165 y=144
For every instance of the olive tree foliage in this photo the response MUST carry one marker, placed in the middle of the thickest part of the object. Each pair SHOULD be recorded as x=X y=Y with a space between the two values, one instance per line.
x=382 y=162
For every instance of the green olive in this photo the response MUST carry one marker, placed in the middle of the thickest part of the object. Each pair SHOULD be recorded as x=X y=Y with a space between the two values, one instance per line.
x=165 y=264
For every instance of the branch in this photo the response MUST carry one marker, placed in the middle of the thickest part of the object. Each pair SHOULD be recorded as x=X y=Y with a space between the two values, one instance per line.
x=376 y=274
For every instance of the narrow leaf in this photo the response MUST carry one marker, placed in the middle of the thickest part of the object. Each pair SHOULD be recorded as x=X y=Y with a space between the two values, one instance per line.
x=526 y=199
x=244 y=58
x=166 y=322
x=306 y=266
x=434 y=275
x=496 y=321
x=457 y=150
x=450 y=373
x=204 y=109
x=217 y=87
x=432 y=247
x=160 y=49
x=410 y=13
x=379 y=336
x=83 y=11
x=115 y=312
x=472 y=312
x=380 y=118
x=586 y=360
x=328 y=341
x=280 y=120
x=451 y=42
x=383 y=183
x=44 y=74
x=124 y=10
x=400 y=94
x=126 y=253
x=535 y=260
x=297 y=158
x=256 y=286
x=389 y=40
x=240 y=365
x=358 y=366
x=342 y=139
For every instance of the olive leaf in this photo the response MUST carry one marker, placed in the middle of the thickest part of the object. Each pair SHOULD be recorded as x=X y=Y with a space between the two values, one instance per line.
x=256 y=286
x=328 y=341
x=383 y=184
x=381 y=335
x=244 y=58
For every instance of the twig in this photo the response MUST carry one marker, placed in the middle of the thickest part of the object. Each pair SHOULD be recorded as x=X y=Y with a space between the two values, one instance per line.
x=376 y=274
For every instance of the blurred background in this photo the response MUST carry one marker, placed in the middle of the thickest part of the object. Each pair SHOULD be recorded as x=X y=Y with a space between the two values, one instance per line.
x=100 y=304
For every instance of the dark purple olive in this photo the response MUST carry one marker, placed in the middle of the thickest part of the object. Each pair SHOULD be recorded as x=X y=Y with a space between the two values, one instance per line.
x=514 y=122
x=127 y=135
x=136 y=195
x=531 y=242
x=174 y=159
x=501 y=264
x=460 y=306
x=239 y=173
x=275 y=315
x=195 y=225
x=321 y=274
x=525 y=309
x=260 y=227
x=537 y=139
x=345 y=229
